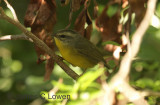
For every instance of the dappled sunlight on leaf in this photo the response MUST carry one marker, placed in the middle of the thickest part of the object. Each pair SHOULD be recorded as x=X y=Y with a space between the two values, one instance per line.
x=16 y=66
x=8 y=13
x=34 y=80
x=6 y=84
x=89 y=77
x=155 y=22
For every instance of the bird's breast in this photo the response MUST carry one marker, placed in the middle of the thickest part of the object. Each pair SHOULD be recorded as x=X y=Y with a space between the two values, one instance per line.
x=71 y=55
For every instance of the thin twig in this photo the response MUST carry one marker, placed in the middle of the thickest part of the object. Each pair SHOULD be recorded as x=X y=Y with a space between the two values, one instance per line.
x=12 y=10
x=15 y=37
x=56 y=88
x=64 y=102
x=40 y=44
x=136 y=40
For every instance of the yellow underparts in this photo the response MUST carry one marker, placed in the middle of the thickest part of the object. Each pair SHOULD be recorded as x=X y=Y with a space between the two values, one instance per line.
x=72 y=56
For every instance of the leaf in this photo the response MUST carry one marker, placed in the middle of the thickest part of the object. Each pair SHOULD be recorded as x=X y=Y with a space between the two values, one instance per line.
x=64 y=2
x=41 y=25
x=124 y=3
x=109 y=26
x=149 y=49
x=80 y=22
x=95 y=12
x=89 y=28
x=138 y=7
x=88 y=31
x=6 y=84
x=62 y=86
x=89 y=77
x=75 y=5
x=112 y=10
x=83 y=19
x=110 y=42
x=49 y=68
x=31 y=12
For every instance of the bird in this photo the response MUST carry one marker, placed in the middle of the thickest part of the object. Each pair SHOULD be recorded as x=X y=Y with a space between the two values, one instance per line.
x=77 y=50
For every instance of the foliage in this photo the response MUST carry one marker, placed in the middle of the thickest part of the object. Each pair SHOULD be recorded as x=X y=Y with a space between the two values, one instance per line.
x=21 y=78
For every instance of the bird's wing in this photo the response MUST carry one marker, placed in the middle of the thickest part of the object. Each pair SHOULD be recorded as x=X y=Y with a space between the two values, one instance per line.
x=90 y=51
x=87 y=49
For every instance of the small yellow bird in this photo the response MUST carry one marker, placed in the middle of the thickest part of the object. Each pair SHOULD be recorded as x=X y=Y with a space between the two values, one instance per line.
x=77 y=50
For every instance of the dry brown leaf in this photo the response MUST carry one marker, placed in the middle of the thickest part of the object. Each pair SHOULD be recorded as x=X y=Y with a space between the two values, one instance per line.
x=109 y=26
x=41 y=25
x=64 y=2
x=89 y=28
x=138 y=7
x=75 y=5
x=49 y=68
x=110 y=47
x=88 y=31
x=31 y=12
x=82 y=19
x=80 y=22
x=95 y=12
x=124 y=3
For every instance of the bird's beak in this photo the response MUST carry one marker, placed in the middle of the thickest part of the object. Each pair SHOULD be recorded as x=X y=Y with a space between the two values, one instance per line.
x=55 y=35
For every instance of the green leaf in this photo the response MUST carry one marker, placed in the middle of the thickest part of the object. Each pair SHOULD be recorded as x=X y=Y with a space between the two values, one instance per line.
x=86 y=80
x=112 y=10
x=110 y=42
x=6 y=84
x=62 y=86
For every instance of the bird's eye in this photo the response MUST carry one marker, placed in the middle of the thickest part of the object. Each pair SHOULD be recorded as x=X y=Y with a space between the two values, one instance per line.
x=63 y=36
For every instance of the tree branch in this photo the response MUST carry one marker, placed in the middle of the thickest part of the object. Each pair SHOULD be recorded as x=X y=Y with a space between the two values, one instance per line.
x=119 y=80
x=15 y=37
x=150 y=93
x=40 y=44
x=12 y=10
